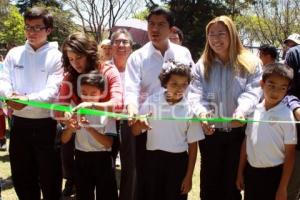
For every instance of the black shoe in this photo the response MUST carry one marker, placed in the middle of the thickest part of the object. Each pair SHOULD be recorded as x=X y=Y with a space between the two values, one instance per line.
x=69 y=189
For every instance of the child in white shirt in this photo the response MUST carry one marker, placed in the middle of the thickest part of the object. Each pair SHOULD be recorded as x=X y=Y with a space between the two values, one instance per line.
x=268 y=151
x=93 y=161
x=171 y=144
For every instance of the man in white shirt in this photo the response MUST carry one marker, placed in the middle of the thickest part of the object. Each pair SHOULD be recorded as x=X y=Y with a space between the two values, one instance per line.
x=33 y=72
x=142 y=70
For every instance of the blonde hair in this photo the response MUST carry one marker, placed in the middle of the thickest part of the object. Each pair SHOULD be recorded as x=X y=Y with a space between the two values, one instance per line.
x=239 y=57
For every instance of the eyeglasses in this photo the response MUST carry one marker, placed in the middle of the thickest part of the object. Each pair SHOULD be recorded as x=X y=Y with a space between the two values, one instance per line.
x=34 y=28
x=221 y=35
x=118 y=42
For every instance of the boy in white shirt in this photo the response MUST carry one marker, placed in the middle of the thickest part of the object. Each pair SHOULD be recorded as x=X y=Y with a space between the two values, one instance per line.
x=268 y=151
x=33 y=72
x=169 y=168
x=93 y=141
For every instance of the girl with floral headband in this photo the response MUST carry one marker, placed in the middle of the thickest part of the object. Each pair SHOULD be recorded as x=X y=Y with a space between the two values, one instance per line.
x=169 y=168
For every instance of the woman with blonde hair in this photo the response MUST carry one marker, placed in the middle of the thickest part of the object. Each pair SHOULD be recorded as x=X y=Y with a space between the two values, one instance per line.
x=226 y=84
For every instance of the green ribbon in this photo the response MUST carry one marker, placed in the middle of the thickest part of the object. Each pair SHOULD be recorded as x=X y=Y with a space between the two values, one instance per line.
x=87 y=111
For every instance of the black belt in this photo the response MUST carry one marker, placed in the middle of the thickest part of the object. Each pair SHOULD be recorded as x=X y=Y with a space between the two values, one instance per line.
x=225 y=130
x=229 y=130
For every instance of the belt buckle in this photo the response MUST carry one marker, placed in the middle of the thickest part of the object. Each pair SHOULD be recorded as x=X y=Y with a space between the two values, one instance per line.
x=226 y=130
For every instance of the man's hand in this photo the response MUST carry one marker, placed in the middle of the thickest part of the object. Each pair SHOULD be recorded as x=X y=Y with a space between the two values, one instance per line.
x=132 y=112
x=143 y=122
x=238 y=116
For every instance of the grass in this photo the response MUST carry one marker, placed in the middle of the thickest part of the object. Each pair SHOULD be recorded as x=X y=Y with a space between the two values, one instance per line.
x=8 y=192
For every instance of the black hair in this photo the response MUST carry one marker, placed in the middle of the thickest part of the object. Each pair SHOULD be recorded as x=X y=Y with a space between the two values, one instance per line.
x=267 y=49
x=119 y=32
x=39 y=13
x=93 y=78
x=162 y=11
x=280 y=69
x=172 y=67
x=178 y=31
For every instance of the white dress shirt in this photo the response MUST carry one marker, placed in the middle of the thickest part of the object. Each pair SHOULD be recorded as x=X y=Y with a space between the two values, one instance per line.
x=143 y=68
x=265 y=141
x=84 y=141
x=170 y=135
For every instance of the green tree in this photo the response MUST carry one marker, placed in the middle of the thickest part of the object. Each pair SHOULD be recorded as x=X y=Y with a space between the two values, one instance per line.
x=141 y=15
x=97 y=17
x=270 y=21
x=63 y=24
x=23 y=5
x=3 y=8
x=12 y=28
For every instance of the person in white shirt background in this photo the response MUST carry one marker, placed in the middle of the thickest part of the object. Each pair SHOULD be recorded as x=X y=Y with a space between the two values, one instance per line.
x=142 y=71
x=33 y=72
x=93 y=141
x=105 y=50
x=171 y=145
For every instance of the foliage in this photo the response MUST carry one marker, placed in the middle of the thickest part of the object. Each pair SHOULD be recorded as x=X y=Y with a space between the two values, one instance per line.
x=12 y=28
x=4 y=4
x=271 y=21
x=97 y=17
x=63 y=24
x=141 y=15
x=23 y=5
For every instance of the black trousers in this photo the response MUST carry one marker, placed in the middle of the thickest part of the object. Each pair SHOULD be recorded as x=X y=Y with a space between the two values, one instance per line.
x=262 y=183
x=115 y=149
x=164 y=175
x=220 y=153
x=67 y=157
x=34 y=158
x=94 y=170
x=133 y=157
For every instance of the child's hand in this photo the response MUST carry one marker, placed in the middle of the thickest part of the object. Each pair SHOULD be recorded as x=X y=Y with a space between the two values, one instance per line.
x=281 y=194
x=240 y=182
x=72 y=124
x=67 y=116
x=83 y=105
x=84 y=121
x=186 y=185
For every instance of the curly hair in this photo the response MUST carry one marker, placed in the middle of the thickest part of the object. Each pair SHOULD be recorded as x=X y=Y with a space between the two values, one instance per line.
x=172 y=67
